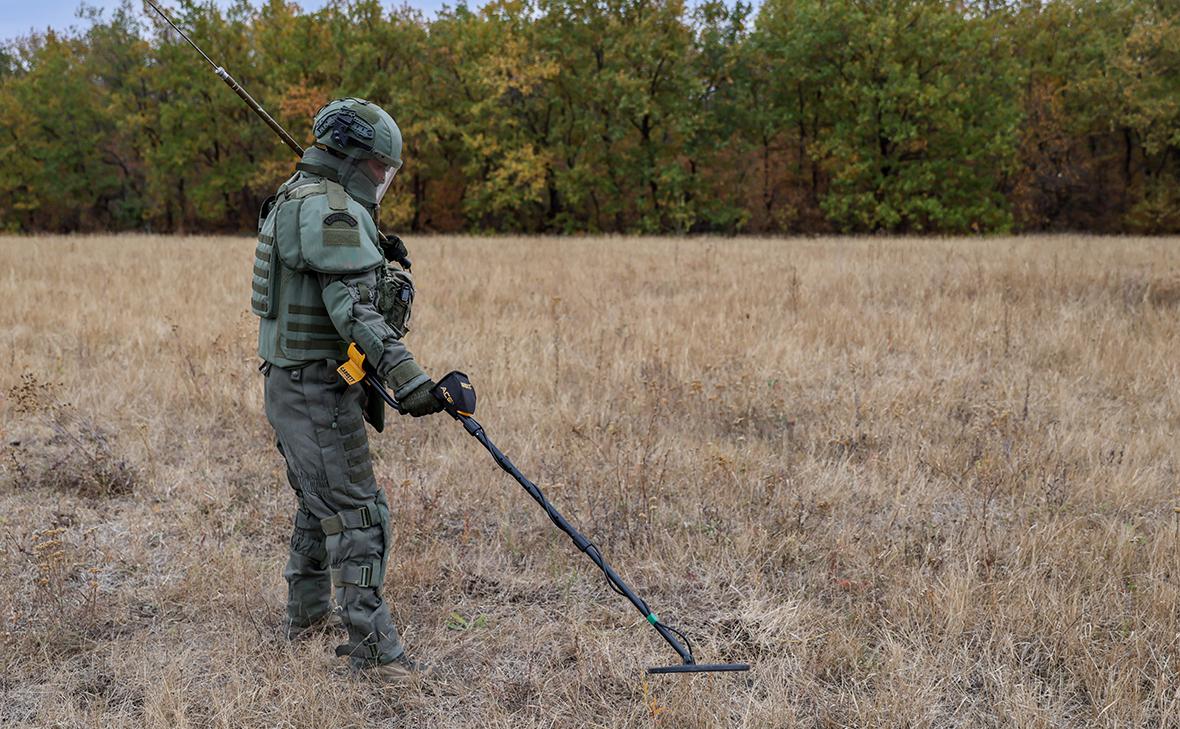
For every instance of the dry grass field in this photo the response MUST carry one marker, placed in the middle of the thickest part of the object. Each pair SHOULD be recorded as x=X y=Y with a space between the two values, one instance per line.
x=915 y=483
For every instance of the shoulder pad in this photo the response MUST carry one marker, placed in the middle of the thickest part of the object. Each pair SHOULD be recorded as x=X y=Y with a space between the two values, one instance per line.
x=320 y=228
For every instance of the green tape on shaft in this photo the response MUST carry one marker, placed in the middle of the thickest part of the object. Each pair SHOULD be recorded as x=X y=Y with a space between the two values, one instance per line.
x=653 y=619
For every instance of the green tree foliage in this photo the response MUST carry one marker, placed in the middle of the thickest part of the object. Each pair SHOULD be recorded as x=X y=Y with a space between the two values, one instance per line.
x=1147 y=73
x=617 y=115
x=912 y=106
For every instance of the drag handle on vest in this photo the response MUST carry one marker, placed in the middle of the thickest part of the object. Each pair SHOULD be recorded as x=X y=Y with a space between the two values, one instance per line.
x=457 y=395
x=237 y=88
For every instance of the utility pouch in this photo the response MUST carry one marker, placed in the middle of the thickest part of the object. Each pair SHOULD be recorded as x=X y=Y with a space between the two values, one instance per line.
x=395 y=299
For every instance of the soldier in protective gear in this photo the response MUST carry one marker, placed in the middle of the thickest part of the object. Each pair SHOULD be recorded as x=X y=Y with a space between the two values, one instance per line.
x=321 y=281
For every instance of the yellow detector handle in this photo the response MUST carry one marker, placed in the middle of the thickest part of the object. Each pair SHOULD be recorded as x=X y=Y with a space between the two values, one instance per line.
x=353 y=370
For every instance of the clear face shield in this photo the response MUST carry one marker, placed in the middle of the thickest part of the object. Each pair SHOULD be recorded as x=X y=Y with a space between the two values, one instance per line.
x=380 y=174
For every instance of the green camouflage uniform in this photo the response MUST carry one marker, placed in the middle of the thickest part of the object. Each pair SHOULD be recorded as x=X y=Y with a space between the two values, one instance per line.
x=320 y=282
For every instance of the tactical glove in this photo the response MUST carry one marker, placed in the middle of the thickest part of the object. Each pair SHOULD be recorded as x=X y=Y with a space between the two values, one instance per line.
x=411 y=387
x=421 y=401
x=394 y=249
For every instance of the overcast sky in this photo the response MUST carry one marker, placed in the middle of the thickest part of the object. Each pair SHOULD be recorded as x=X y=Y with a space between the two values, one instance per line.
x=18 y=17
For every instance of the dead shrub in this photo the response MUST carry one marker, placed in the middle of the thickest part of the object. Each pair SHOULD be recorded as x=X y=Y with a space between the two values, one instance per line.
x=64 y=611
x=55 y=446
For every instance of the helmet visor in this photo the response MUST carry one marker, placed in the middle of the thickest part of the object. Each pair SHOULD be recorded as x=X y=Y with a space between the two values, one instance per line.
x=381 y=176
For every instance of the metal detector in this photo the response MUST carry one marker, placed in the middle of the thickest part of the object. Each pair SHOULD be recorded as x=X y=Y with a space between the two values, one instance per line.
x=457 y=395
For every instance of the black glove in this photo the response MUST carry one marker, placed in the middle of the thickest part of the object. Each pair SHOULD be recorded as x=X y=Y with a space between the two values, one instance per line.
x=394 y=249
x=421 y=401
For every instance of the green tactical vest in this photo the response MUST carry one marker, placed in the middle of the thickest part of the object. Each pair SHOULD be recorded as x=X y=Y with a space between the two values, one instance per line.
x=314 y=227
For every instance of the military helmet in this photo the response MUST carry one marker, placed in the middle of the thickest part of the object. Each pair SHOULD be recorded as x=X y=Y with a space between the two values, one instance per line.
x=366 y=141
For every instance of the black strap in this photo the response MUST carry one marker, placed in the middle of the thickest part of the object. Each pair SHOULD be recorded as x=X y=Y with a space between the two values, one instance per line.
x=361 y=518
x=371 y=650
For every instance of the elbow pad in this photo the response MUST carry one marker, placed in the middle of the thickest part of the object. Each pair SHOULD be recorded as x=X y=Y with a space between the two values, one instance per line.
x=349 y=305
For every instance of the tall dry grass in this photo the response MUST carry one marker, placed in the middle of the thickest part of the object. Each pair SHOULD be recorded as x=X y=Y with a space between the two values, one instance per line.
x=913 y=482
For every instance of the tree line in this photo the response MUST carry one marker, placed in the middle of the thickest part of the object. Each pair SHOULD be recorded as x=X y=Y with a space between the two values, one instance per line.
x=628 y=116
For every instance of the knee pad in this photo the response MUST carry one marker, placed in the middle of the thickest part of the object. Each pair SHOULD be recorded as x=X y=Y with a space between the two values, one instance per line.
x=362 y=535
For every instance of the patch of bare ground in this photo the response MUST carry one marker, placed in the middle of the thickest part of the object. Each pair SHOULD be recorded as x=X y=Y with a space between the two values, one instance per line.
x=913 y=482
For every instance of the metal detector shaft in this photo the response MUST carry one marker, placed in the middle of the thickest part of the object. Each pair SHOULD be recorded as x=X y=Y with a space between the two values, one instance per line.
x=581 y=542
x=380 y=390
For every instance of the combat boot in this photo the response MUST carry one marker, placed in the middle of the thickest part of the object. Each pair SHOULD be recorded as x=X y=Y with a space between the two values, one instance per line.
x=402 y=669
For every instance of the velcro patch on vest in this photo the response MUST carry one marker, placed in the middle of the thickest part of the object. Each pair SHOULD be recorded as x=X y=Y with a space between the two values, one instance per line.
x=342 y=237
x=343 y=218
x=340 y=229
